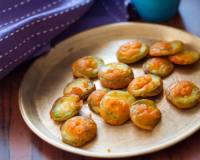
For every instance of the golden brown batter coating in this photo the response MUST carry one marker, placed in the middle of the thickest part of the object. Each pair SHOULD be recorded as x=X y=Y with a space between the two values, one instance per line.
x=115 y=75
x=166 y=48
x=145 y=86
x=81 y=86
x=95 y=98
x=78 y=131
x=183 y=94
x=185 y=58
x=158 y=66
x=87 y=67
x=114 y=107
x=66 y=107
x=132 y=51
x=144 y=114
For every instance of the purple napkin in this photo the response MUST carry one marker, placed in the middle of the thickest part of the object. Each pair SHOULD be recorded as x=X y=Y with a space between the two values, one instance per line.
x=28 y=26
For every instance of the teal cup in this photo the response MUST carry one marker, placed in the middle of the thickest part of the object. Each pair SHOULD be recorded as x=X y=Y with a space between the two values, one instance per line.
x=156 y=10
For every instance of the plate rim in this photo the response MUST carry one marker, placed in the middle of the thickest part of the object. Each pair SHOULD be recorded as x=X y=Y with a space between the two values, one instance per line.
x=83 y=152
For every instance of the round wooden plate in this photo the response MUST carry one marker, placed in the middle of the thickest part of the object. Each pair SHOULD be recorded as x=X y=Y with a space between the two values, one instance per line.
x=45 y=80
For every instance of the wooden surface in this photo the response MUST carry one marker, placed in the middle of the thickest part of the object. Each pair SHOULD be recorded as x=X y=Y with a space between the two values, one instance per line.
x=17 y=142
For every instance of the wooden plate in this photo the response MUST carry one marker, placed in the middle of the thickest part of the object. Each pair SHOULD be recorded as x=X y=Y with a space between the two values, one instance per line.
x=45 y=80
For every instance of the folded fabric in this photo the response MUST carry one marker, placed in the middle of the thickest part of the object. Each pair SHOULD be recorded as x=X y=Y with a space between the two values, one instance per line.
x=28 y=26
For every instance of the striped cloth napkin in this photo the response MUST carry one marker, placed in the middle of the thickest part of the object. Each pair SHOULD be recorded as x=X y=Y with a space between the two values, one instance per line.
x=27 y=27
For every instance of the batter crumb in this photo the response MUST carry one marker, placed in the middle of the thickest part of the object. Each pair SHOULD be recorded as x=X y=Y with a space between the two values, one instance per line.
x=108 y=150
